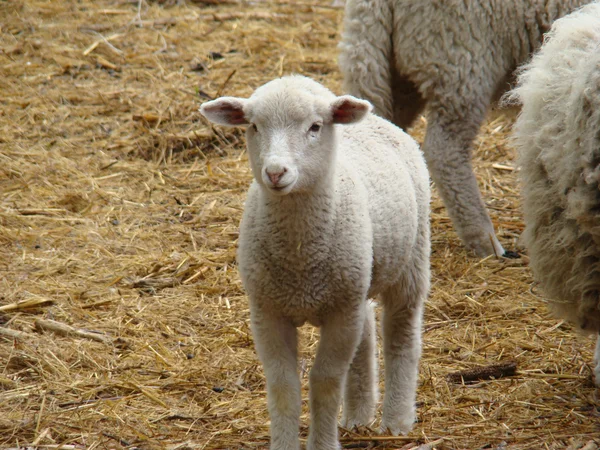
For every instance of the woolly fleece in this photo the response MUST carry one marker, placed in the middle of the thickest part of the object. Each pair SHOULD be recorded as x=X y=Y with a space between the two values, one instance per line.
x=455 y=57
x=354 y=224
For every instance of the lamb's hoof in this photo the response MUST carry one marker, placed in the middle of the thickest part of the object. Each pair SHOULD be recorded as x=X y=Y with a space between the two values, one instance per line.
x=398 y=425
x=597 y=375
x=356 y=422
x=511 y=254
x=316 y=445
x=361 y=417
x=285 y=445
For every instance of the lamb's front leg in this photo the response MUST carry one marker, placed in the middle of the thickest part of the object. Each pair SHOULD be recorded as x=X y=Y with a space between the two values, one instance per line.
x=340 y=336
x=275 y=339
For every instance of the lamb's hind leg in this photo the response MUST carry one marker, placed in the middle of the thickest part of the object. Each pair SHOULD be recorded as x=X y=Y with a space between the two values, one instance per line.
x=360 y=395
x=402 y=317
x=340 y=336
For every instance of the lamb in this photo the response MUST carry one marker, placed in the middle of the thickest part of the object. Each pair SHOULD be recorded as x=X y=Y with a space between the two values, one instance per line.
x=455 y=57
x=558 y=137
x=338 y=212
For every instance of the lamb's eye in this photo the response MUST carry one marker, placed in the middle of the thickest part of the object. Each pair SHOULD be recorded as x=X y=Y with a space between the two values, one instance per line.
x=315 y=127
x=255 y=128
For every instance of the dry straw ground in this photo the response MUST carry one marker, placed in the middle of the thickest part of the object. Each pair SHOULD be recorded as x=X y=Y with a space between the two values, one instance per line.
x=123 y=321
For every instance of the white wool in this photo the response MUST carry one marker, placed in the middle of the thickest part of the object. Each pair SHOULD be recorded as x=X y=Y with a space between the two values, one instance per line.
x=558 y=137
x=454 y=57
x=333 y=217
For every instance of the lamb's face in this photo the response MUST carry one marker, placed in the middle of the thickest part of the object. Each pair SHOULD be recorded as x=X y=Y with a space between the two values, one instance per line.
x=291 y=141
x=291 y=137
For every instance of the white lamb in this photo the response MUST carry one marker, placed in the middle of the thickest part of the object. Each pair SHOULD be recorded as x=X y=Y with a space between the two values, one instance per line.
x=558 y=137
x=455 y=56
x=338 y=212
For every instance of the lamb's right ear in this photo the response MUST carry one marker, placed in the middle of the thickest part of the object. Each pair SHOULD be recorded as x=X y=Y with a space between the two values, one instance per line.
x=347 y=109
x=227 y=111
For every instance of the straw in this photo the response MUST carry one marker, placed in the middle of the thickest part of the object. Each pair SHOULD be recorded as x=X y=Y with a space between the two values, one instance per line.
x=122 y=315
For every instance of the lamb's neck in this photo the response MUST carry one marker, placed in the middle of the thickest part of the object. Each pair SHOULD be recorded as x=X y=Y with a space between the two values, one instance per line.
x=301 y=204
x=299 y=215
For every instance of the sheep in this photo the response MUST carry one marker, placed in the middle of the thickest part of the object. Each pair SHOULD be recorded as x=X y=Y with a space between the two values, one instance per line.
x=338 y=212
x=557 y=134
x=456 y=57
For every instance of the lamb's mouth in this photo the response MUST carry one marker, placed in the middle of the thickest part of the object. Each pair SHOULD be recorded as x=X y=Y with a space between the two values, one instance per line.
x=281 y=188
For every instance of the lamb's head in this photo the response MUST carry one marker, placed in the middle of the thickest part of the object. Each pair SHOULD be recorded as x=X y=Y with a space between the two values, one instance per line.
x=291 y=135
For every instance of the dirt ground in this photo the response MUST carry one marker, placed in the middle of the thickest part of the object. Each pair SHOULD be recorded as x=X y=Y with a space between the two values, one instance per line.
x=123 y=323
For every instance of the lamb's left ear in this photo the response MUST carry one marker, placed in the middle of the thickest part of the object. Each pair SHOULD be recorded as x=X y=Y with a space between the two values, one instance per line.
x=347 y=109
x=227 y=111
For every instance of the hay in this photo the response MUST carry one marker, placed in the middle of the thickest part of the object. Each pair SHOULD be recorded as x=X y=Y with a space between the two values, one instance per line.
x=124 y=323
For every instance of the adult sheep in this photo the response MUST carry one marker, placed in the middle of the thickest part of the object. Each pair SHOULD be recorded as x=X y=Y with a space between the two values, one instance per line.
x=455 y=57
x=558 y=137
x=338 y=212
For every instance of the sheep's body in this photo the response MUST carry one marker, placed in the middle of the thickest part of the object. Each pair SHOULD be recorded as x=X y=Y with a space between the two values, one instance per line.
x=455 y=57
x=558 y=136
x=315 y=255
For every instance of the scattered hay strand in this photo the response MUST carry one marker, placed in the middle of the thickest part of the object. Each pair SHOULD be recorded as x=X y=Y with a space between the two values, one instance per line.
x=26 y=304
x=67 y=330
x=14 y=334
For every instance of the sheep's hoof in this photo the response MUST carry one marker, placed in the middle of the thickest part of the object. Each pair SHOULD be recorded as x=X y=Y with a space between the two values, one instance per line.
x=511 y=254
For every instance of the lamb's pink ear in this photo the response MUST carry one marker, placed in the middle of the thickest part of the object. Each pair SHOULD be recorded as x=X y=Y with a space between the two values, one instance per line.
x=348 y=109
x=227 y=111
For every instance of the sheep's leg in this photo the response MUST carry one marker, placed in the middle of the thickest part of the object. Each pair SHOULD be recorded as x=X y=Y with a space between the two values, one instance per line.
x=597 y=362
x=402 y=317
x=340 y=336
x=360 y=395
x=447 y=150
x=276 y=344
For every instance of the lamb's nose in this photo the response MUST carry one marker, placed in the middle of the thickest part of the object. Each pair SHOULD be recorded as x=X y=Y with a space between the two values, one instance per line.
x=276 y=175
